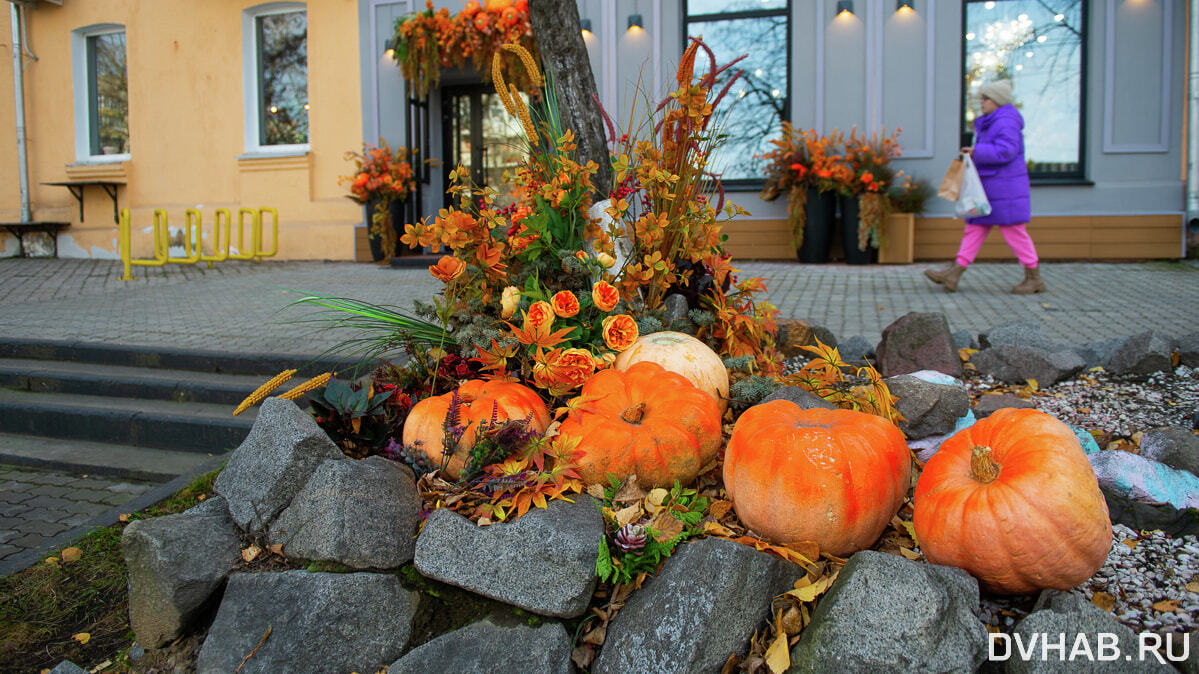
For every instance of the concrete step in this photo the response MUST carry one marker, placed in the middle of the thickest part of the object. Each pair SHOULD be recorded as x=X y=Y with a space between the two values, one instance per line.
x=191 y=427
x=167 y=358
x=50 y=376
x=85 y=457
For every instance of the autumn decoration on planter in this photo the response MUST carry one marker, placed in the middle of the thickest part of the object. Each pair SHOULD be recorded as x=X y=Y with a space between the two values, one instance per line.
x=427 y=41
x=1014 y=501
x=381 y=176
x=645 y=421
x=445 y=427
x=870 y=158
x=809 y=169
x=682 y=354
x=835 y=477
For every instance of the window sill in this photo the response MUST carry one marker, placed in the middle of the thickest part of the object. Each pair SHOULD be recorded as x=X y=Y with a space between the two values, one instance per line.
x=1061 y=182
x=275 y=161
x=98 y=170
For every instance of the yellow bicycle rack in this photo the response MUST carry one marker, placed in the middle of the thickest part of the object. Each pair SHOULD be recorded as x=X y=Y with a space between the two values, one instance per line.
x=193 y=246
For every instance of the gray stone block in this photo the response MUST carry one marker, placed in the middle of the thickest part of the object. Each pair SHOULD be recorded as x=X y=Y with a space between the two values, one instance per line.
x=543 y=562
x=989 y=404
x=273 y=463
x=1018 y=334
x=964 y=339
x=319 y=622
x=177 y=564
x=928 y=409
x=1070 y=615
x=1099 y=353
x=800 y=396
x=1188 y=350
x=1015 y=364
x=1143 y=353
x=703 y=605
x=488 y=648
x=362 y=514
x=856 y=349
x=886 y=613
x=918 y=341
x=67 y=667
x=1174 y=446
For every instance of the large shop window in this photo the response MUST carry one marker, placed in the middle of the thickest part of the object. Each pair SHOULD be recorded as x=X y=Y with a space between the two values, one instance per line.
x=277 y=77
x=102 y=102
x=754 y=109
x=1040 y=45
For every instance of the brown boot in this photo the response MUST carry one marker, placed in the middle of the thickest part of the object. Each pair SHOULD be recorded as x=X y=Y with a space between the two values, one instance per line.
x=947 y=276
x=1032 y=282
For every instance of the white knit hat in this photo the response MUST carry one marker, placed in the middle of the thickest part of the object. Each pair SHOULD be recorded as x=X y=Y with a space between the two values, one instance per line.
x=999 y=91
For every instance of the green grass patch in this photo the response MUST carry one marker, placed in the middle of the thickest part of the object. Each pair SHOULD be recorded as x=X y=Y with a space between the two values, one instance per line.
x=47 y=604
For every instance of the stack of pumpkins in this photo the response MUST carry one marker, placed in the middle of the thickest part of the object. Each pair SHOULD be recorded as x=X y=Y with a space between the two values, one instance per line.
x=1011 y=500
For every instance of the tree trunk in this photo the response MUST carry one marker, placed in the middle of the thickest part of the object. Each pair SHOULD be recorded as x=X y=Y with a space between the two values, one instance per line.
x=559 y=38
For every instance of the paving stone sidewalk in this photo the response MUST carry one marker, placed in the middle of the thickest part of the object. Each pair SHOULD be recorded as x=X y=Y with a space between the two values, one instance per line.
x=37 y=505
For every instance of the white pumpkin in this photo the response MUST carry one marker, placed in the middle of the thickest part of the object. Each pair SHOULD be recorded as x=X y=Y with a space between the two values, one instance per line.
x=683 y=354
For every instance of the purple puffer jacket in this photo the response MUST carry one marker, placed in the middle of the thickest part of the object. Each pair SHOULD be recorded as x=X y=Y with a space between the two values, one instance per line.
x=999 y=156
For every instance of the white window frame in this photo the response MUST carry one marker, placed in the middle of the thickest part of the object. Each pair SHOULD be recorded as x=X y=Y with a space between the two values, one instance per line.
x=250 y=70
x=84 y=94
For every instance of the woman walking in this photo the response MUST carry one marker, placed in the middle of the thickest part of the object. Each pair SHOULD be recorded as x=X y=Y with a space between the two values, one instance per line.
x=998 y=154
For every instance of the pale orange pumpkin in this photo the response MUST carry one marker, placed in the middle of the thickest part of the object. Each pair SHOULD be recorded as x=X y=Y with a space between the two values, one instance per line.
x=1013 y=501
x=835 y=477
x=477 y=400
x=644 y=420
x=681 y=353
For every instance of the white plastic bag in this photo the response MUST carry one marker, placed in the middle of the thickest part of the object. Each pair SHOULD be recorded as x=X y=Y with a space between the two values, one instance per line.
x=972 y=203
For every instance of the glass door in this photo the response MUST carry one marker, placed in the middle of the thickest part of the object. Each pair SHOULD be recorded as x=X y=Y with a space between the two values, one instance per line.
x=480 y=135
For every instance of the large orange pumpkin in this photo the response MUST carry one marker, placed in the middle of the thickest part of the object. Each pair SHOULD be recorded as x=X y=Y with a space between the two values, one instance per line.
x=836 y=477
x=681 y=353
x=644 y=420
x=1014 y=501
x=477 y=400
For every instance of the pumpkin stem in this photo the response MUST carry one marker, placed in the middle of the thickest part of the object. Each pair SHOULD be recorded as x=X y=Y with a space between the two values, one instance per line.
x=634 y=413
x=982 y=467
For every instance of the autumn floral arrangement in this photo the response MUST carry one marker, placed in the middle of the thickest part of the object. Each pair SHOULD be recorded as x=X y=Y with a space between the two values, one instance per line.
x=869 y=157
x=804 y=160
x=381 y=176
x=427 y=41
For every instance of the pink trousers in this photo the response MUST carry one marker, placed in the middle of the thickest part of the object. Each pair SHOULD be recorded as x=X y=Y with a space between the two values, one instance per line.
x=1016 y=236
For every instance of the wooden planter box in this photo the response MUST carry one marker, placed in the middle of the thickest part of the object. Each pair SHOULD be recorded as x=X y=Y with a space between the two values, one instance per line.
x=901 y=240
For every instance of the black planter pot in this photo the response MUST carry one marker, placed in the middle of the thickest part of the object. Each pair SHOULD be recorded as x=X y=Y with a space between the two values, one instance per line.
x=849 y=234
x=821 y=211
x=397 y=218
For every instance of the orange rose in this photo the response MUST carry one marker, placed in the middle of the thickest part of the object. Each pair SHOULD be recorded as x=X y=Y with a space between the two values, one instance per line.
x=539 y=318
x=565 y=304
x=620 y=331
x=605 y=295
x=447 y=269
x=508 y=301
x=605 y=260
x=581 y=255
x=561 y=371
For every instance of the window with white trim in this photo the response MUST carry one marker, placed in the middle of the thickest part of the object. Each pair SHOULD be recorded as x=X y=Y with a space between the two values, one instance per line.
x=275 y=39
x=101 y=93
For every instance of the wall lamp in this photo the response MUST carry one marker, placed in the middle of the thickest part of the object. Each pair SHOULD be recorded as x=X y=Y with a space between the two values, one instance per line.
x=586 y=25
x=844 y=6
x=635 y=21
x=904 y=4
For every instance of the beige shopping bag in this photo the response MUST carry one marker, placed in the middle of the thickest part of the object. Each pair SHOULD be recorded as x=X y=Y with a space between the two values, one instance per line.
x=951 y=184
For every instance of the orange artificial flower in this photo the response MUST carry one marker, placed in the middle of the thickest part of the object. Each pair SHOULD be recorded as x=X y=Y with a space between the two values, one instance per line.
x=488 y=255
x=560 y=371
x=605 y=260
x=867 y=177
x=823 y=173
x=605 y=295
x=620 y=331
x=565 y=304
x=447 y=269
x=539 y=318
x=581 y=255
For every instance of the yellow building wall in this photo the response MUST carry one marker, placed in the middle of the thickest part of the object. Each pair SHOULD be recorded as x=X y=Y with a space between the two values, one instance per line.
x=186 y=126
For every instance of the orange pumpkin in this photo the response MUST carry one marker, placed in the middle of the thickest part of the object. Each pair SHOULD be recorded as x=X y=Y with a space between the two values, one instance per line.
x=1014 y=501
x=836 y=477
x=477 y=399
x=646 y=421
x=684 y=354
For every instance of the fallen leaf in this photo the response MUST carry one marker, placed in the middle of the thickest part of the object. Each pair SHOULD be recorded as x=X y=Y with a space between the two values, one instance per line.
x=1031 y=384
x=1104 y=601
x=597 y=636
x=124 y=517
x=1175 y=358
x=52 y=561
x=814 y=590
x=251 y=553
x=970 y=367
x=1131 y=543
x=911 y=529
x=719 y=509
x=666 y=526
x=101 y=667
x=910 y=554
x=878 y=307
x=582 y=656
x=201 y=497
x=653 y=501
x=1166 y=605
x=71 y=554
x=627 y=515
x=484 y=522
x=965 y=353
x=629 y=492
x=778 y=656
x=596 y=491
x=1193 y=586
x=718 y=529
x=1136 y=438
x=276 y=549
x=82 y=637
x=792 y=621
